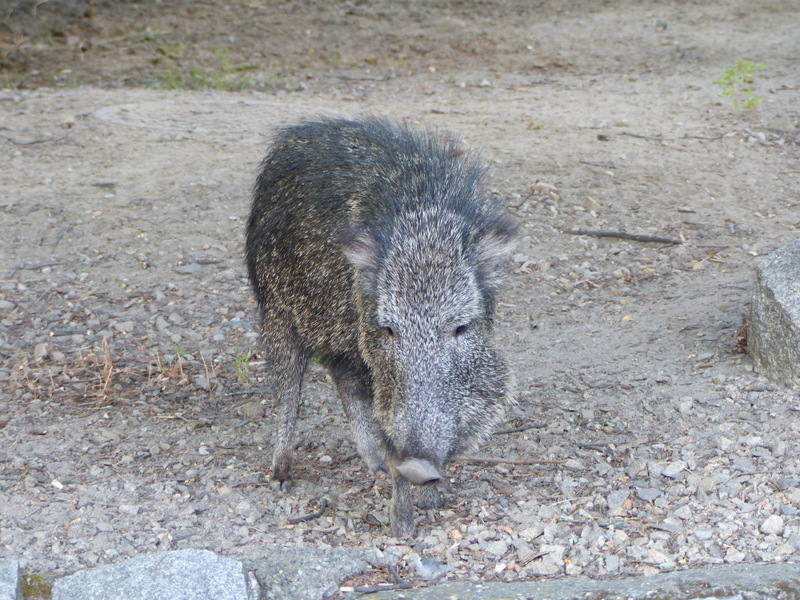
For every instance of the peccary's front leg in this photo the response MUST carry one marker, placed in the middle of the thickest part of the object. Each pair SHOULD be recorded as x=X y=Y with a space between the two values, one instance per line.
x=288 y=361
x=352 y=384
x=401 y=511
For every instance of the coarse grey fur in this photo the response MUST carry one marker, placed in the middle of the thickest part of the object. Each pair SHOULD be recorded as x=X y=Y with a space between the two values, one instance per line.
x=374 y=247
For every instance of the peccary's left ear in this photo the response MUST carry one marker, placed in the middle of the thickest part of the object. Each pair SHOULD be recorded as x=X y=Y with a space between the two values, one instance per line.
x=492 y=247
x=361 y=247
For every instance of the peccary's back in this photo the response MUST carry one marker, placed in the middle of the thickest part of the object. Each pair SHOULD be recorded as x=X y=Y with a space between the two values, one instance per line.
x=320 y=182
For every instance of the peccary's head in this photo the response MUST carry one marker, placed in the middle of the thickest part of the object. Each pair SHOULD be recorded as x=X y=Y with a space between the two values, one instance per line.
x=426 y=285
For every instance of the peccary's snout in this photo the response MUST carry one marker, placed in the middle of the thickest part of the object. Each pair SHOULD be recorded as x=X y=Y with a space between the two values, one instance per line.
x=418 y=471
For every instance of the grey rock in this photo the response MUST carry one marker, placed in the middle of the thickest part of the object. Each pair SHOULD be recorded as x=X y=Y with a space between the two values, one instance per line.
x=673 y=469
x=428 y=568
x=647 y=494
x=178 y=575
x=190 y=269
x=10 y=580
x=754 y=582
x=773 y=335
x=305 y=571
x=772 y=525
x=616 y=499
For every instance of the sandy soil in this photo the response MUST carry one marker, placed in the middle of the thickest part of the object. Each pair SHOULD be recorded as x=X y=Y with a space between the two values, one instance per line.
x=129 y=364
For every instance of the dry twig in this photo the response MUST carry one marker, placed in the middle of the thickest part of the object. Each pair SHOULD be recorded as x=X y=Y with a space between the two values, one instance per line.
x=636 y=237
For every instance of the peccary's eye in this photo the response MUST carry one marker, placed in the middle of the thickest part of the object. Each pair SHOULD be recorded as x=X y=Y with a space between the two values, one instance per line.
x=388 y=331
x=460 y=330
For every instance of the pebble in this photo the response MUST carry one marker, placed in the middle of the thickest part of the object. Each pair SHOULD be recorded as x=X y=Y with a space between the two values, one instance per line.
x=40 y=351
x=704 y=533
x=190 y=269
x=616 y=499
x=772 y=525
x=673 y=469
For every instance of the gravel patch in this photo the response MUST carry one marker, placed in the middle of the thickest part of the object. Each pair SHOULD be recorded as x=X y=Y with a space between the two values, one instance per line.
x=136 y=413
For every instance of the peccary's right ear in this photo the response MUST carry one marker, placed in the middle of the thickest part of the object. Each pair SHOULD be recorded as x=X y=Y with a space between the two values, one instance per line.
x=362 y=248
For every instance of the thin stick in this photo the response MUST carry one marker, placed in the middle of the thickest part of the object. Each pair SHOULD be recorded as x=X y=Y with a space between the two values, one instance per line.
x=595 y=445
x=596 y=164
x=672 y=139
x=508 y=461
x=31 y=142
x=312 y=516
x=34 y=267
x=519 y=429
x=636 y=237
x=381 y=587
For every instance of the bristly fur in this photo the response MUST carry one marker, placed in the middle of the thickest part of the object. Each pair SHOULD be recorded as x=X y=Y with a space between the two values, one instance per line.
x=374 y=246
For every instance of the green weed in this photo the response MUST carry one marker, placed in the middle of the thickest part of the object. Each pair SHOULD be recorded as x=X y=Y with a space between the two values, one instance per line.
x=241 y=365
x=225 y=77
x=738 y=82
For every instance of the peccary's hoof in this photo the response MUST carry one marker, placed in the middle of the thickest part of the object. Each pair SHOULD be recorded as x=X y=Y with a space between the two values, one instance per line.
x=419 y=472
x=430 y=498
x=277 y=485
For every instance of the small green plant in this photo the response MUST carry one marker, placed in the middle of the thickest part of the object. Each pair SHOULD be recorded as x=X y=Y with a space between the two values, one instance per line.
x=738 y=82
x=242 y=365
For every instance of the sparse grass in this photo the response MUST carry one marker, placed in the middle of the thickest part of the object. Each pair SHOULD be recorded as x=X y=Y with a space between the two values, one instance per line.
x=226 y=77
x=738 y=82
x=241 y=365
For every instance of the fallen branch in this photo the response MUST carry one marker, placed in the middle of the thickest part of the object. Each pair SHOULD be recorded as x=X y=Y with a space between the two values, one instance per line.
x=636 y=237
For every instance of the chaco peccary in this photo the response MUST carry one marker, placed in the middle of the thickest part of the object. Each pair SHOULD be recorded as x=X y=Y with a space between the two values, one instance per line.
x=373 y=247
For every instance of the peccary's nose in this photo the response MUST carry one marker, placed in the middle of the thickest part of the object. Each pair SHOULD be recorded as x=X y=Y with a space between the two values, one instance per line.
x=418 y=471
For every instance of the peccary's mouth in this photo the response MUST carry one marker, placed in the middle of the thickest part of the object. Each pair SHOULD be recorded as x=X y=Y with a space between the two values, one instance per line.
x=419 y=471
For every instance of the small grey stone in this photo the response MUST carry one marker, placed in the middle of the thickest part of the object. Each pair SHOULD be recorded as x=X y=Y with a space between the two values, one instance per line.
x=704 y=533
x=673 y=469
x=616 y=499
x=612 y=563
x=647 y=494
x=684 y=512
x=496 y=547
x=779 y=448
x=745 y=465
x=773 y=525
x=40 y=351
x=190 y=269
x=428 y=568
x=252 y=411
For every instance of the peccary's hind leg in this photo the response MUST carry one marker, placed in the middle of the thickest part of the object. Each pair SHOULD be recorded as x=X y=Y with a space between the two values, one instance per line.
x=287 y=360
x=352 y=385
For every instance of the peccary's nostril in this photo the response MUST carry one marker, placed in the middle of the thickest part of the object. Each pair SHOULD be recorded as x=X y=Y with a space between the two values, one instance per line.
x=419 y=472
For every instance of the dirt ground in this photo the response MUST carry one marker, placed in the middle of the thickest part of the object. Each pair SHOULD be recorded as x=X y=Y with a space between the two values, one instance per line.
x=130 y=415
